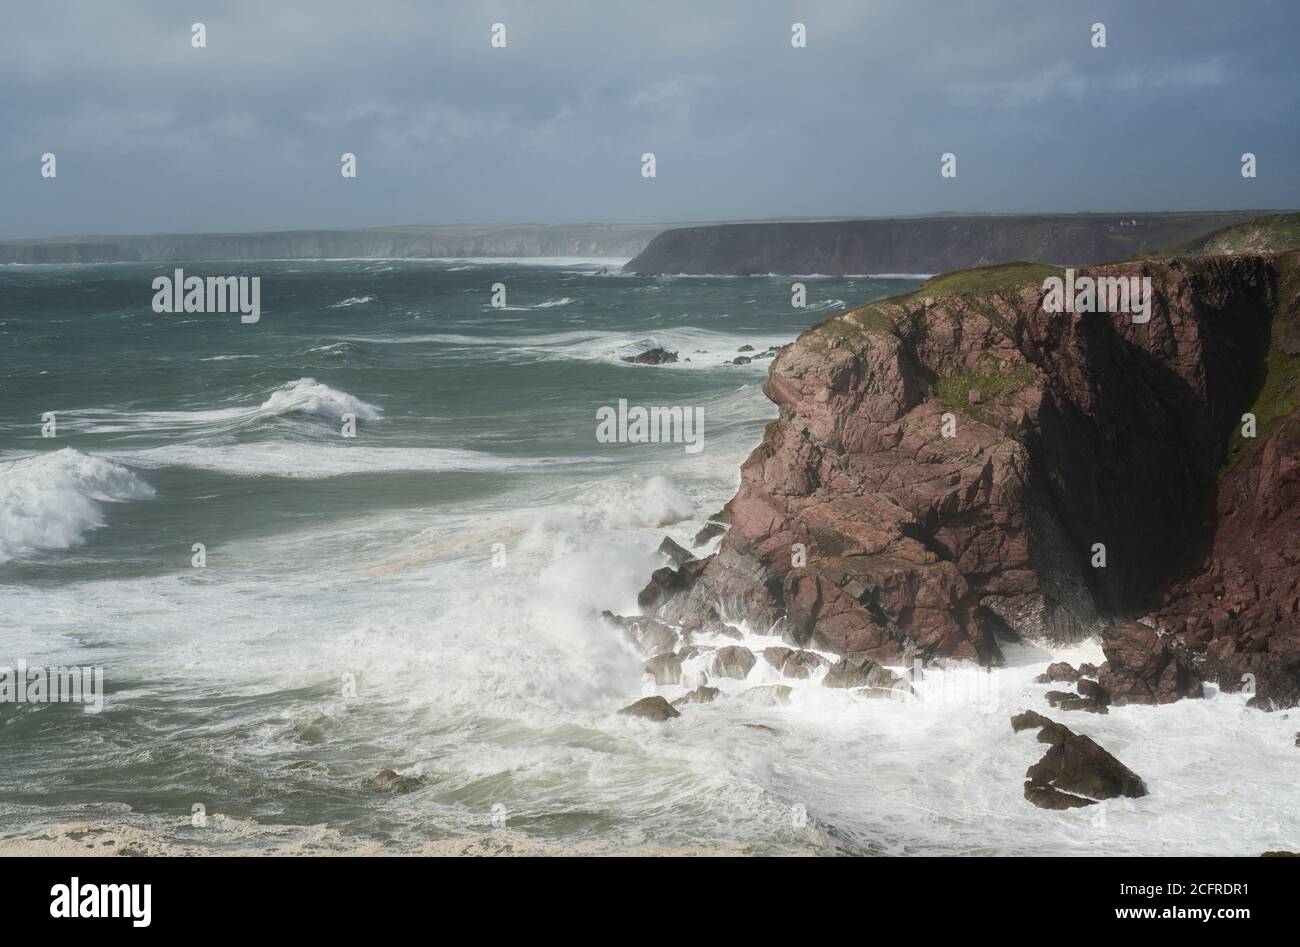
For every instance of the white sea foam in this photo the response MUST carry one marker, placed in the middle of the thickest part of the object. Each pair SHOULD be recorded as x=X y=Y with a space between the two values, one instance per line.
x=696 y=348
x=51 y=501
x=310 y=461
x=352 y=301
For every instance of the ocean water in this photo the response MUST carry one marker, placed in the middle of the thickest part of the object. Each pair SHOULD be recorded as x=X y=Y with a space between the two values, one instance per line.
x=425 y=596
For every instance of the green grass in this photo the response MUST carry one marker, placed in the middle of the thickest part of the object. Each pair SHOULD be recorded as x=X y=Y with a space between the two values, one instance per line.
x=874 y=317
x=1271 y=234
x=986 y=279
x=989 y=380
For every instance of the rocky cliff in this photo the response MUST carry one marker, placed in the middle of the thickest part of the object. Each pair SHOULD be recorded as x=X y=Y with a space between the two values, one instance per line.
x=523 y=240
x=949 y=468
x=919 y=244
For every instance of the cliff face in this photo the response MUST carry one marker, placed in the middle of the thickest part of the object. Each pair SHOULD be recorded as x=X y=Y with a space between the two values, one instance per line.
x=597 y=240
x=861 y=527
x=918 y=245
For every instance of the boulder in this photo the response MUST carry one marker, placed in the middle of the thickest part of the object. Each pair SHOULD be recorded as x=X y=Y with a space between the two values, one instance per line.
x=855 y=672
x=651 y=708
x=1057 y=672
x=1145 y=667
x=733 y=661
x=793 y=663
x=1073 y=765
x=1092 y=691
x=666 y=668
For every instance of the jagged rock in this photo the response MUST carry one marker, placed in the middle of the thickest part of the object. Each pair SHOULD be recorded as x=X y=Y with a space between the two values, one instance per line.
x=651 y=708
x=1068 y=701
x=741 y=360
x=663 y=583
x=863 y=672
x=1032 y=720
x=912 y=543
x=718 y=524
x=701 y=695
x=1045 y=797
x=1087 y=670
x=1143 y=667
x=1074 y=765
x=655 y=356
x=1092 y=691
x=648 y=635
x=769 y=695
x=665 y=668
x=732 y=661
x=792 y=663
x=388 y=781
x=676 y=553
x=745 y=348
x=1059 y=671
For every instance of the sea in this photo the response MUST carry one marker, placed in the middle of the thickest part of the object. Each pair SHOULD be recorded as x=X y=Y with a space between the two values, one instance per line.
x=375 y=530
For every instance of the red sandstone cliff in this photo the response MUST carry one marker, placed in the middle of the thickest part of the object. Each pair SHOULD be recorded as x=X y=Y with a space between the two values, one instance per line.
x=861 y=527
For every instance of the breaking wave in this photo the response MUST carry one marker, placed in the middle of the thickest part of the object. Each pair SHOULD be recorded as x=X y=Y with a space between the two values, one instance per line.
x=51 y=501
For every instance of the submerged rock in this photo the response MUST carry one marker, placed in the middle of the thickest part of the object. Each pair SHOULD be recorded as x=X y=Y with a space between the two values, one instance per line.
x=701 y=695
x=769 y=695
x=651 y=708
x=654 y=356
x=386 y=780
x=1067 y=701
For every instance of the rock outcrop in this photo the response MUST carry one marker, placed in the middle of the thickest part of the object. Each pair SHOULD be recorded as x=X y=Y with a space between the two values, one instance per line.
x=1099 y=484
x=651 y=708
x=1075 y=771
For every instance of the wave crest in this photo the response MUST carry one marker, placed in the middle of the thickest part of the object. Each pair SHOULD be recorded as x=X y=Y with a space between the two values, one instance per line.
x=51 y=501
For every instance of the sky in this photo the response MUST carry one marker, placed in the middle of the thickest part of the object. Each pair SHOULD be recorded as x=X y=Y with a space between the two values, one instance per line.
x=154 y=135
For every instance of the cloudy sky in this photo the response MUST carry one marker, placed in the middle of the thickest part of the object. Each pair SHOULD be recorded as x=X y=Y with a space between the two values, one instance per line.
x=154 y=135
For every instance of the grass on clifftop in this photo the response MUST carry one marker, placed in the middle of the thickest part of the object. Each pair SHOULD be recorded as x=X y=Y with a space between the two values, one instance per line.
x=985 y=279
x=1271 y=234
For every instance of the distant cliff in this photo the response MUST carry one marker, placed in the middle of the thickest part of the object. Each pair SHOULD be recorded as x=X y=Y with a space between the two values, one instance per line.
x=522 y=240
x=919 y=244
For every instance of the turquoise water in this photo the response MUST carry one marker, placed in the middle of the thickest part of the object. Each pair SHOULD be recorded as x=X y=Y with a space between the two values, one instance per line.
x=363 y=561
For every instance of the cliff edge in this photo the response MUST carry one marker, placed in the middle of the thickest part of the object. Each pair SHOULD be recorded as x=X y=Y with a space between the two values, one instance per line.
x=959 y=467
